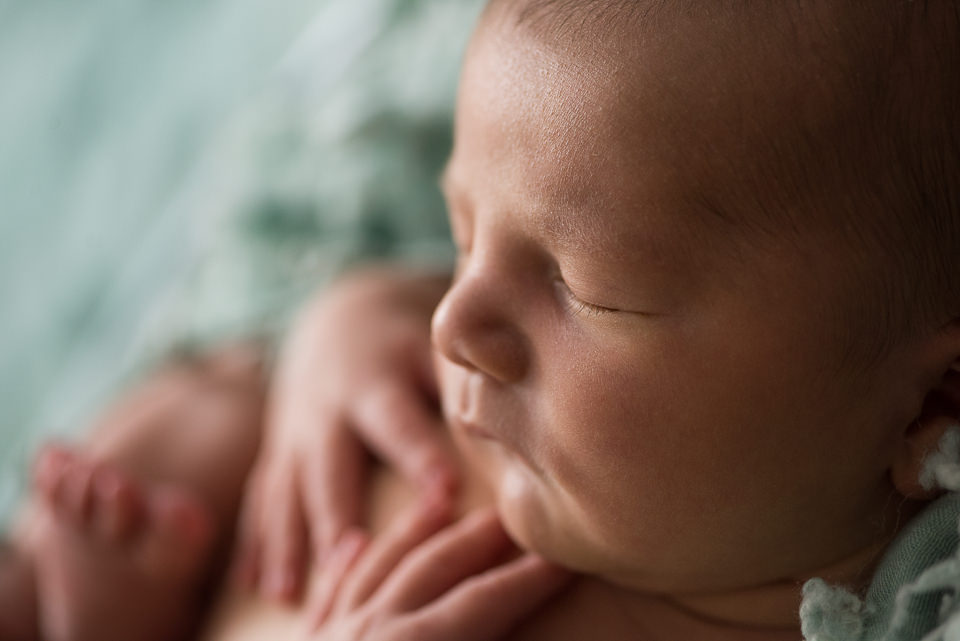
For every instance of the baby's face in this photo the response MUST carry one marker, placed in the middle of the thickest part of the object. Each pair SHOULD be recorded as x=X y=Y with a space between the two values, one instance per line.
x=655 y=397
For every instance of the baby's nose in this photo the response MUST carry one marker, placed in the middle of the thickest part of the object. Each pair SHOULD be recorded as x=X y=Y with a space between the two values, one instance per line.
x=473 y=327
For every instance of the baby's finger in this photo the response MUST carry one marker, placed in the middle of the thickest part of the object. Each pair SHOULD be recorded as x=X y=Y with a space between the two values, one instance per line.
x=339 y=563
x=334 y=487
x=284 y=541
x=464 y=549
x=396 y=422
x=488 y=606
x=382 y=557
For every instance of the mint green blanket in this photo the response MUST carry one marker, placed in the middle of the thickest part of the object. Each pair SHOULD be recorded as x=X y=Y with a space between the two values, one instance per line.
x=186 y=171
x=915 y=591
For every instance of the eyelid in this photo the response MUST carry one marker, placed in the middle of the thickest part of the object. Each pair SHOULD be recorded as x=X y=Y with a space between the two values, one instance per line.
x=579 y=306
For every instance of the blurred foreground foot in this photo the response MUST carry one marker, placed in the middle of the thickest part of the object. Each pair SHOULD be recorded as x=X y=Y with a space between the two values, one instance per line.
x=116 y=559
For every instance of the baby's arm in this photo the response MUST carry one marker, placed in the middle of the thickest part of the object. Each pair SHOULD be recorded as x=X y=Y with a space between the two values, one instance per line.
x=355 y=373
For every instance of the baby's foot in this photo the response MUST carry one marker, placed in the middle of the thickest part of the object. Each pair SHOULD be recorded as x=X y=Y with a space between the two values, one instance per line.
x=116 y=559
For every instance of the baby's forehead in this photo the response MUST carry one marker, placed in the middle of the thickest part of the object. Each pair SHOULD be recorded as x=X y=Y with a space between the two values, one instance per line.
x=798 y=57
x=827 y=117
x=752 y=104
x=657 y=105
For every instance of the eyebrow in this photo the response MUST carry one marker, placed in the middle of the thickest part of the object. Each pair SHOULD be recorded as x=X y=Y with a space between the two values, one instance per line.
x=562 y=233
x=568 y=233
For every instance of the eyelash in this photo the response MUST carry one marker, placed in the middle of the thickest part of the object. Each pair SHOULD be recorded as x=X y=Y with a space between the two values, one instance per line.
x=581 y=307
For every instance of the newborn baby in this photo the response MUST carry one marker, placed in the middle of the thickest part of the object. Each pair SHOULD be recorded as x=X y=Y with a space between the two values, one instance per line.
x=705 y=321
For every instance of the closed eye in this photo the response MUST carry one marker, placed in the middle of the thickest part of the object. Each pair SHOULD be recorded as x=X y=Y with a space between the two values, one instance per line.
x=577 y=305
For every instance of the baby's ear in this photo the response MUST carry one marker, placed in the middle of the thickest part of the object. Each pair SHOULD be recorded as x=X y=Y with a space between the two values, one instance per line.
x=941 y=411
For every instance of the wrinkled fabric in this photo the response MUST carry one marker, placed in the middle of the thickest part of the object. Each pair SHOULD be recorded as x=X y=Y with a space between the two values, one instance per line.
x=180 y=173
x=915 y=592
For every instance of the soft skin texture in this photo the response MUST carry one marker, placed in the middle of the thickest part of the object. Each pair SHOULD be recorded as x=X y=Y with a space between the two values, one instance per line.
x=354 y=375
x=656 y=398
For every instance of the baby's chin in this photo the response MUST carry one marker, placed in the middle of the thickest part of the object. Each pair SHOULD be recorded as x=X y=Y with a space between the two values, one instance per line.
x=522 y=511
x=537 y=515
x=542 y=520
x=536 y=521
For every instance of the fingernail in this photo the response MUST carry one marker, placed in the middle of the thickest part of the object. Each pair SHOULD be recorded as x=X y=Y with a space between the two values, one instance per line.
x=323 y=556
x=352 y=540
x=280 y=584
x=441 y=477
x=436 y=505
x=349 y=544
x=328 y=552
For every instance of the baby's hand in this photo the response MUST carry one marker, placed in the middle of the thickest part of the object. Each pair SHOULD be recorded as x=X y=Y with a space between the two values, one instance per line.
x=355 y=373
x=415 y=583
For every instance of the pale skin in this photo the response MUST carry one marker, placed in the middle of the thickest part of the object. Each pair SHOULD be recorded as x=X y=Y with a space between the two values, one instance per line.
x=336 y=394
x=647 y=396
x=136 y=516
x=139 y=517
x=620 y=365
x=598 y=316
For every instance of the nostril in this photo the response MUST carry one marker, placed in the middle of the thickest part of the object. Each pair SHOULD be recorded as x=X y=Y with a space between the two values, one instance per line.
x=470 y=331
x=458 y=354
x=497 y=351
x=504 y=354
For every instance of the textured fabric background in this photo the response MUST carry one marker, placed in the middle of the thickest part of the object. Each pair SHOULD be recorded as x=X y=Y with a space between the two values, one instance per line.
x=184 y=171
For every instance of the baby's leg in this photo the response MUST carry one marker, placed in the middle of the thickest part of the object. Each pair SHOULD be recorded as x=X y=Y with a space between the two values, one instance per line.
x=18 y=612
x=126 y=530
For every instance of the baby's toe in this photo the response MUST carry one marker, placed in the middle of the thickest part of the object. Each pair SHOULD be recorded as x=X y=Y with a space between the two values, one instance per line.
x=49 y=468
x=75 y=496
x=64 y=481
x=117 y=505
x=177 y=533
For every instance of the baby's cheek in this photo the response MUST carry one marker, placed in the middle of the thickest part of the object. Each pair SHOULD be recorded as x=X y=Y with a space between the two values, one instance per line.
x=606 y=446
x=625 y=481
